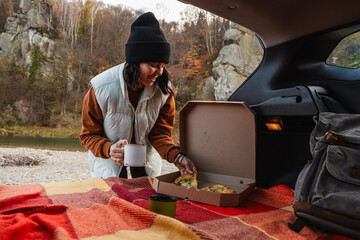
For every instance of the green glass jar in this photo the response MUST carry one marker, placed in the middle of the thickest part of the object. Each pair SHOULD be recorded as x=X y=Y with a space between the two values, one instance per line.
x=163 y=204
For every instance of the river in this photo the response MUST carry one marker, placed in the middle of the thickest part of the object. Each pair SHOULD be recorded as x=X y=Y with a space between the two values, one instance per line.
x=61 y=144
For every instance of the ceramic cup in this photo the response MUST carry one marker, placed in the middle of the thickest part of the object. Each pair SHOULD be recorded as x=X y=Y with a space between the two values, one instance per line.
x=163 y=204
x=134 y=155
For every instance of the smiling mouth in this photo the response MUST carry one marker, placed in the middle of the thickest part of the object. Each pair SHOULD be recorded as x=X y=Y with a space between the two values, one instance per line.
x=152 y=79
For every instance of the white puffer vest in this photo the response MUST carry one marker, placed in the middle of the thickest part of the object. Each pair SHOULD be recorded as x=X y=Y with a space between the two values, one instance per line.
x=119 y=116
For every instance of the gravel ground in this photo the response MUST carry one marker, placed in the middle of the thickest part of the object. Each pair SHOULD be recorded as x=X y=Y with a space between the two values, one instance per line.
x=58 y=166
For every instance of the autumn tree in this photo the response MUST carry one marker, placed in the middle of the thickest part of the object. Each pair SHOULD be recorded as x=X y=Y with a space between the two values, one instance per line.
x=174 y=34
x=11 y=76
x=112 y=33
x=192 y=62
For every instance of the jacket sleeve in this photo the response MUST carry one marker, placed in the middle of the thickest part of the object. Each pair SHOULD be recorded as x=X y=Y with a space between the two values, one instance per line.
x=160 y=135
x=92 y=132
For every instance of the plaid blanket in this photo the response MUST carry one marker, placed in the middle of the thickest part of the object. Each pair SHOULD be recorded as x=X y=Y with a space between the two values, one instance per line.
x=117 y=208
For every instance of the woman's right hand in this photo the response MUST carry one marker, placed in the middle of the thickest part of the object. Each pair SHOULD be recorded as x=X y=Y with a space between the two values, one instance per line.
x=185 y=165
x=117 y=151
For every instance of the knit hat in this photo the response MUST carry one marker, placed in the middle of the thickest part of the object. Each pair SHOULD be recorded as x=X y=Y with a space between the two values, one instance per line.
x=147 y=42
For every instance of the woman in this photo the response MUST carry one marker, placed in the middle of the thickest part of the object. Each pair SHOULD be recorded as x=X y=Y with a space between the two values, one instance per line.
x=133 y=103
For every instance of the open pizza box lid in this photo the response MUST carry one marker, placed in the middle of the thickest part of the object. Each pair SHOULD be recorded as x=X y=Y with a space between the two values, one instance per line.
x=220 y=138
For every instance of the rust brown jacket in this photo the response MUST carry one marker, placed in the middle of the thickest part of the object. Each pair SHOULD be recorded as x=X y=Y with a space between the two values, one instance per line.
x=92 y=133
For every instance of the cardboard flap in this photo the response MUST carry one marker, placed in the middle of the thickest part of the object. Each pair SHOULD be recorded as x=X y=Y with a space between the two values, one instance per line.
x=219 y=137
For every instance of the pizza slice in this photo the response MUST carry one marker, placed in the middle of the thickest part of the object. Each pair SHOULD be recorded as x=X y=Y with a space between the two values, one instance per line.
x=219 y=189
x=187 y=180
x=190 y=181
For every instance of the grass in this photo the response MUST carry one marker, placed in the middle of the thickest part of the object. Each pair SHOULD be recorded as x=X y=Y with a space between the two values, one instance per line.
x=35 y=131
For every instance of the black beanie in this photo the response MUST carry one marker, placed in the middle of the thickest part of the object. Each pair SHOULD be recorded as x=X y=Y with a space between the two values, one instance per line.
x=147 y=42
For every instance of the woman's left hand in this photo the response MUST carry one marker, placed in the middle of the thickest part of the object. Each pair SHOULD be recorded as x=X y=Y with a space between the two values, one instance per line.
x=185 y=165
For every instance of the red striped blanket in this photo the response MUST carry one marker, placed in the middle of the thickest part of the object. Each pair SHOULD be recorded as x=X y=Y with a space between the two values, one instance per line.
x=116 y=208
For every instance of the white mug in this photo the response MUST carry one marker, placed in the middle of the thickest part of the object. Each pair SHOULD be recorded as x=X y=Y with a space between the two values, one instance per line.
x=134 y=155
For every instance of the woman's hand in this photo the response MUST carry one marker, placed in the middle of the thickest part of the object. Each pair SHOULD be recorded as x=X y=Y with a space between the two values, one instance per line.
x=184 y=164
x=117 y=151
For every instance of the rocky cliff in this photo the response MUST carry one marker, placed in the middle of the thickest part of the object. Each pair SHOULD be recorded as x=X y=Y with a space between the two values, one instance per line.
x=239 y=57
x=32 y=25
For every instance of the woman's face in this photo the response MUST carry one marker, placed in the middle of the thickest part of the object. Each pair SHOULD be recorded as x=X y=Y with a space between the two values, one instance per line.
x=149 y=72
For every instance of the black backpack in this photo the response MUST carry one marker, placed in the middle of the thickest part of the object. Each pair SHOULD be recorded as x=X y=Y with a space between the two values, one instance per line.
x=327 y=191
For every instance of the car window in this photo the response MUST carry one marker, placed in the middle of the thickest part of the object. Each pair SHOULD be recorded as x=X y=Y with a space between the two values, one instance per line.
x=347 y=52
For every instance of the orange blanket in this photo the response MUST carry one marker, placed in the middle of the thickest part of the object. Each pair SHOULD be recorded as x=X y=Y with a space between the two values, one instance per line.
x=116 y=208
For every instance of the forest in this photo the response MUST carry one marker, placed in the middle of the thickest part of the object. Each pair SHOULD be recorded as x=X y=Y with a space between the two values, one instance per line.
x=90 y=38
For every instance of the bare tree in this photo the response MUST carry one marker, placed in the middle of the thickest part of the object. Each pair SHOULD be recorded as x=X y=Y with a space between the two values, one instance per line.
x=93 y=10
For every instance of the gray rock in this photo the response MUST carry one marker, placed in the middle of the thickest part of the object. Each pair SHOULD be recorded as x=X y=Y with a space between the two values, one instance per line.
x=28 y=28
x=239 y=57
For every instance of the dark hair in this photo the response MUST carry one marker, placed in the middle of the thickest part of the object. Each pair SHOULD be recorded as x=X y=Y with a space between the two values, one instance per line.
x=132 y=74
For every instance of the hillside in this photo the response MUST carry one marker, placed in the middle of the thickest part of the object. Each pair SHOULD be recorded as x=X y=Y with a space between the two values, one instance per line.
x=50 y=49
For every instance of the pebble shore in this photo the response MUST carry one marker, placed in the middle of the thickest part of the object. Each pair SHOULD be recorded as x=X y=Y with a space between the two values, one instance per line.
x=58 y=166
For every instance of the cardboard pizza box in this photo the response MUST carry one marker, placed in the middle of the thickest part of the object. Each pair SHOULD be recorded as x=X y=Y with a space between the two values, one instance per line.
x=220 y=138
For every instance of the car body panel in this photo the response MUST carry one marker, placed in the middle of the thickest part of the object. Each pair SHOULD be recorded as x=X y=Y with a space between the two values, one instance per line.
x=293 y=83
x=279 y=21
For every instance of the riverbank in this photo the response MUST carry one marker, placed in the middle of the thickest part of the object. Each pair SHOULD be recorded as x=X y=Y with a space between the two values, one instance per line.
x=46 y=132
x=55 y=166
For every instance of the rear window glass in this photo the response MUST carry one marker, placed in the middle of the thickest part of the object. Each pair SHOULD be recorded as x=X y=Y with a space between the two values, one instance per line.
x=347 y=52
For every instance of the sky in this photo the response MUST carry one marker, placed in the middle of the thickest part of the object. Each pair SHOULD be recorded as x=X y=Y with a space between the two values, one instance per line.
x=163 y=9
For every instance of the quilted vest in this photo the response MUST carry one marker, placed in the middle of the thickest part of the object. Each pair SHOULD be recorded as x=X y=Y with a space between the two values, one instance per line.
x=119 y=116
